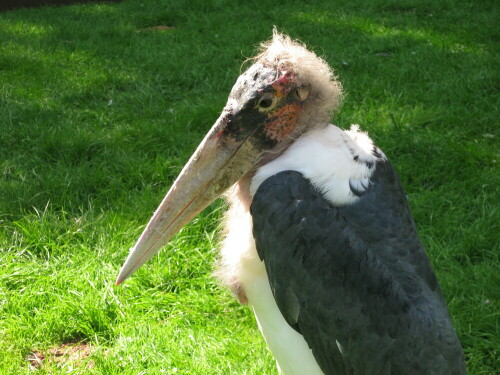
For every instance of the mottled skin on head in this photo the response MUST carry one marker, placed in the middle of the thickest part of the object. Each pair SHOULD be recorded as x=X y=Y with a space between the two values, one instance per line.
x=263 y=105
x=283 y=120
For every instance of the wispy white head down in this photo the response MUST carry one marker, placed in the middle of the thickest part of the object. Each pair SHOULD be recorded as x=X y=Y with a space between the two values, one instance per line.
x=313 y=71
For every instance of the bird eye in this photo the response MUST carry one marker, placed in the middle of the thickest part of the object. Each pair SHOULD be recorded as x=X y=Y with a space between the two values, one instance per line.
x=267 y=101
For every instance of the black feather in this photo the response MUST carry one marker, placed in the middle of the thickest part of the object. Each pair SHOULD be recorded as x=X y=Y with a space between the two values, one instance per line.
x=355 y=277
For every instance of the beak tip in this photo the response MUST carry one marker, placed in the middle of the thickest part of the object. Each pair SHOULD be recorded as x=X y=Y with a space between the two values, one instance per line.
x=122 y=276
x=129 y=267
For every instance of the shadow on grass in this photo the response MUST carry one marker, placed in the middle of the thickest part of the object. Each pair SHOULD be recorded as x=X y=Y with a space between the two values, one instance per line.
x=84 y=82
x=16 y=4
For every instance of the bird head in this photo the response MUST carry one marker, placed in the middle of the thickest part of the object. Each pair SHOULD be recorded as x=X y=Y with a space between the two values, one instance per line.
x=286 y=91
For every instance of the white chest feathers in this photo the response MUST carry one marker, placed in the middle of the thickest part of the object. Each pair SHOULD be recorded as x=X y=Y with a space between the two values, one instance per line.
x=337 y=163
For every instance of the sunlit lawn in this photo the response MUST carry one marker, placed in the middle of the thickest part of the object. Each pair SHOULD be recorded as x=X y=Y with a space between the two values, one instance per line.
x=100 y=108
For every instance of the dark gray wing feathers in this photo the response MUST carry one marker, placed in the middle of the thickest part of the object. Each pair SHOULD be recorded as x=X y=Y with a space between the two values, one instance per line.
x=354 y=280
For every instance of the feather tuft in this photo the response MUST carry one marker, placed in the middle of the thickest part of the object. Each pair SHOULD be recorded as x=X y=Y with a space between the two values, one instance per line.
x=313 y=72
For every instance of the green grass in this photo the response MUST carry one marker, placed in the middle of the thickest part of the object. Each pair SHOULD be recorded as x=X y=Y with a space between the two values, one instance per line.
x=98 y=113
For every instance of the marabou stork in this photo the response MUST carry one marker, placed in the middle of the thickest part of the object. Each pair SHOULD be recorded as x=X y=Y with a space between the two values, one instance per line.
x=319 y=239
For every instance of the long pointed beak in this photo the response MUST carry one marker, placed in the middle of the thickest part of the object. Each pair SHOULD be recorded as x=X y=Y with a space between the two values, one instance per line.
x=218 y=162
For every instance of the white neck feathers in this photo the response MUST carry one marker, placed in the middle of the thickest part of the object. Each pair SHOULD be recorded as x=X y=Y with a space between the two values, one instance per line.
x=335 y=161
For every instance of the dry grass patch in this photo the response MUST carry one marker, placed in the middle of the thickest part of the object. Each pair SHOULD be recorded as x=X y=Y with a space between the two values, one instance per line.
x=68 y=356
